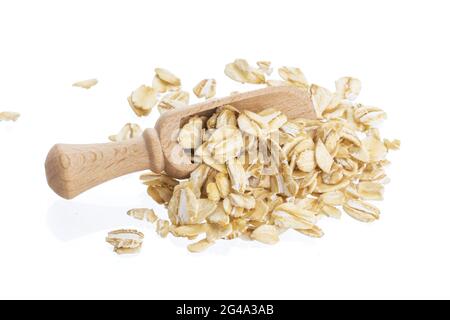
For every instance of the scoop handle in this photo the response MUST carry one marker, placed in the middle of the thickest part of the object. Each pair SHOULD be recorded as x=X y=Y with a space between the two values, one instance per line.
x=72 y=169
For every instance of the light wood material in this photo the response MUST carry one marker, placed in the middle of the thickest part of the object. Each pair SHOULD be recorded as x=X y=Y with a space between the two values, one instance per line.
x=73 y=169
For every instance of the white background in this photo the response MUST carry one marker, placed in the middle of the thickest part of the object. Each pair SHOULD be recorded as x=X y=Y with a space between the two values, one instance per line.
x=52 y=248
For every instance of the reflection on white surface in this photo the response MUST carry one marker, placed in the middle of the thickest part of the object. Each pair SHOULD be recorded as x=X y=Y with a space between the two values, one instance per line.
x=70 y=219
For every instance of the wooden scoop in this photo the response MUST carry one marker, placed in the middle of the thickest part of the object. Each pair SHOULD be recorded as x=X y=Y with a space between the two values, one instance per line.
x=73 y=169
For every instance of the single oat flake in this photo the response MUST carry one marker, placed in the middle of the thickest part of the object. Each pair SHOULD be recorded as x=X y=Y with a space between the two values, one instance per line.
x=241 y=71
x=265 y=66
x=125 y=240
x=9 y=116
x=142 y=100
x=164 y=80
x=293 y=76
x=200 y=245
x=267 y=234
x=205 y=88
x=128 y=131
x=173 y=100
x=85 y=84
x=143 y=214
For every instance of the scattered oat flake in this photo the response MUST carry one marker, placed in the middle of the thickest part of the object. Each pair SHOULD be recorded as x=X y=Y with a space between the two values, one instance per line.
x=361 y=210
x=293 y=76
x=125 y=240
x=173 y=100
x=268 y=234
x=370 y=190
x=241 y=71
x=314 y=232
x=9 y=116
x=121 y=251
x=348 y=88
x=392 y=144
x=85 y=84
x=143 y=213
x=128 y=131
x=142 y=100
x=322 y=99
x=265 y=67
x=164 y=80
x=200 y=246
x=162 y=227
x=205 y=88
x=151 y=216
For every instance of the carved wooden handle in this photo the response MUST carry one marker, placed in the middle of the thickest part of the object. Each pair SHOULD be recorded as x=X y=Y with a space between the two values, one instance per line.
x=73 y=169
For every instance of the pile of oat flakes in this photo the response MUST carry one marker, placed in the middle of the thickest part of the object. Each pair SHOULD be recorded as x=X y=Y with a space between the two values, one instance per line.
x=261 y=174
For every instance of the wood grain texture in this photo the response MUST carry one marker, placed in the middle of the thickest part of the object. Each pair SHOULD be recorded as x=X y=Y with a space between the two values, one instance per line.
x=73 y=169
